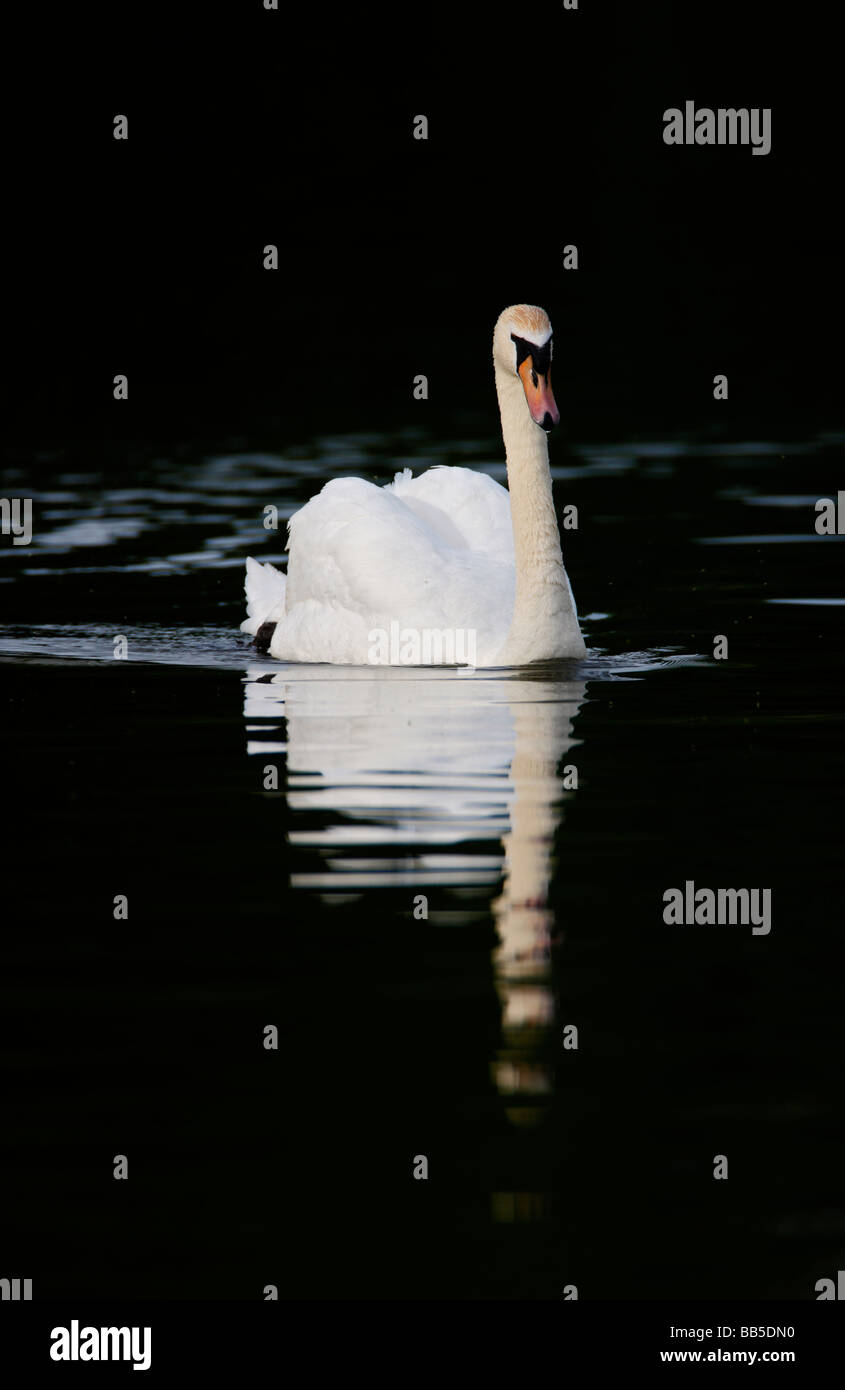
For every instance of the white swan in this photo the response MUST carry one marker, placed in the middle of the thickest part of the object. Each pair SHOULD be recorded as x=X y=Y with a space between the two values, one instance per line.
x=451 y=551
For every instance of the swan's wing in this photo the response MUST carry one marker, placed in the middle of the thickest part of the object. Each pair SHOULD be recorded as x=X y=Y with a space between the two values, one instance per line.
x=467 y=509
x=360 y=557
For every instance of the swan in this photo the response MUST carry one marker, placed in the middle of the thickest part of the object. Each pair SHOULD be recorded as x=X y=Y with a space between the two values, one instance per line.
x=448 y=552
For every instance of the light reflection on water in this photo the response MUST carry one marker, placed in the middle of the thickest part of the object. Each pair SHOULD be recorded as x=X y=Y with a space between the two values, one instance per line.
x=209 y=510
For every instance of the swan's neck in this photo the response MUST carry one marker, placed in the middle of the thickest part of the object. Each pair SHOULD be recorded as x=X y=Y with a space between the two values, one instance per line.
x=544 y=622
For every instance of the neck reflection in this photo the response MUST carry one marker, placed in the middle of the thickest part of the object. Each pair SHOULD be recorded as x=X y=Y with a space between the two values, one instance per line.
x=447 y=787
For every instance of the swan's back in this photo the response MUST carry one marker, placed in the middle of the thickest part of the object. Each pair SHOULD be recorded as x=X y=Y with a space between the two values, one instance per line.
x=469 y=510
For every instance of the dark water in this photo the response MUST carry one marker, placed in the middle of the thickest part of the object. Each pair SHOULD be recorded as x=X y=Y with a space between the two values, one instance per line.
x=291 y=902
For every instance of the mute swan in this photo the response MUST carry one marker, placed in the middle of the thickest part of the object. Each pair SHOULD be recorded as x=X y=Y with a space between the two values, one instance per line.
x=451 y=551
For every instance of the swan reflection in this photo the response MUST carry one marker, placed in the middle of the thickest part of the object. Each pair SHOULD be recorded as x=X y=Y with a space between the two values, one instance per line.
x=443 y=782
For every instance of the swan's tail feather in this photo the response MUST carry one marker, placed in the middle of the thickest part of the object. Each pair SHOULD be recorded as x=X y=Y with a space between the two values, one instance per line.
x=265 y=597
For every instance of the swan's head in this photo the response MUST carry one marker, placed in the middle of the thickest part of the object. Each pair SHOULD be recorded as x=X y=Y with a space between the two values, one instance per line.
x=522 y=346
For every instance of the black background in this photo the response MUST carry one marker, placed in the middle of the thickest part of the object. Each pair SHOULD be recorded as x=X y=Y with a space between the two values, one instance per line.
x=250 y=127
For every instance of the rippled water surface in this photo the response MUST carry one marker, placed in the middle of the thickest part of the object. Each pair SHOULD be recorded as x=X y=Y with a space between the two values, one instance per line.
x=444 y=888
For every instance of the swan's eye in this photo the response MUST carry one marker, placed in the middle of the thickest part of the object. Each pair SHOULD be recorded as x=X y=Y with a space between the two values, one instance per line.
x=533 y=377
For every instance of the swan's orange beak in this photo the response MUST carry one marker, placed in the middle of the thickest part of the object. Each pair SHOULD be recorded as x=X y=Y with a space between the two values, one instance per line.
x=538 y=393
